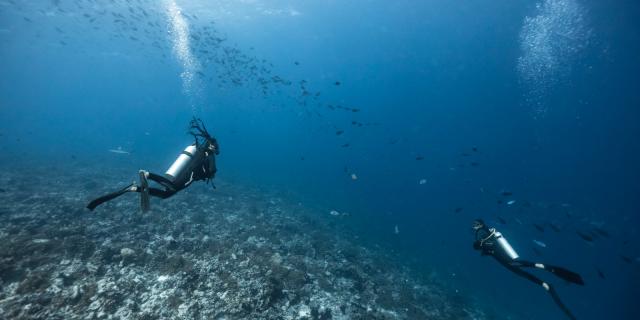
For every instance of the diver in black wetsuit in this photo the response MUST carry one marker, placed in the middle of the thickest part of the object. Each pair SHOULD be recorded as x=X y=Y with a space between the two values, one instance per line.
x=196 y=162
x=491 y=242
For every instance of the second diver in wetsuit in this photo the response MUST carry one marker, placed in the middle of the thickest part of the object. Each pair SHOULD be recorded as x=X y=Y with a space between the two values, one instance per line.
x=197 y=162
x=491 y=242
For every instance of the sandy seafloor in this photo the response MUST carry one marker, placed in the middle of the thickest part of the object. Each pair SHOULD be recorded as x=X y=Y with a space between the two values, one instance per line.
x=235 y=253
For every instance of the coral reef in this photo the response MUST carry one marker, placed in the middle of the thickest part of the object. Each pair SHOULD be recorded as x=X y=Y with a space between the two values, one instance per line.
x=233 y=253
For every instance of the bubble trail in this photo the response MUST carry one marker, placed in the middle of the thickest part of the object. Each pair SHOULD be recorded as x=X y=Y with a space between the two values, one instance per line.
x=179 y=34
x=550 y=40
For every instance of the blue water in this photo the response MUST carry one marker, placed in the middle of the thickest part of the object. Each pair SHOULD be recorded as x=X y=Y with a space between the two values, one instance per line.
x=545 y=91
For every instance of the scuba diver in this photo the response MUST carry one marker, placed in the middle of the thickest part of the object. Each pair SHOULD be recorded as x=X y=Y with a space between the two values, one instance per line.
x=491 y=242
x=196 y=162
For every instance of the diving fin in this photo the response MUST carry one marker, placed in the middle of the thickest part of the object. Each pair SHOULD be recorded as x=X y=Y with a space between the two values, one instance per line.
x=565 y=274
x=145 y=204
x=96 y=202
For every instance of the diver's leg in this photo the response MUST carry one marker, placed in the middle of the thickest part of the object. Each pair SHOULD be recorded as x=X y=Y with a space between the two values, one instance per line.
x=560 y=272
x=161 y=180
x=546 y=286
x=513 y=267
x=556 y=298
x=96 y=202
x=162 y=194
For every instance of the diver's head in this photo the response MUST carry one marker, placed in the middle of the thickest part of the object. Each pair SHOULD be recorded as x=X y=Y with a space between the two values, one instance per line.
x=478 y=224
x=212 y=145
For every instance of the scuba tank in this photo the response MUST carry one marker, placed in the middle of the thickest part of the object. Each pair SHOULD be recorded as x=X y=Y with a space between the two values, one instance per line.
x=181 y=163
x=506 y=247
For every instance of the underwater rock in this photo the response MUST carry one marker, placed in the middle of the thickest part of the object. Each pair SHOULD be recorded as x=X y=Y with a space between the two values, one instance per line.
x=125 y=252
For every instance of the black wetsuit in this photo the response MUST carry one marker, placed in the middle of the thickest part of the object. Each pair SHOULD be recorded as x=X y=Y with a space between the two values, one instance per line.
x=201 y=167
x=487 y=244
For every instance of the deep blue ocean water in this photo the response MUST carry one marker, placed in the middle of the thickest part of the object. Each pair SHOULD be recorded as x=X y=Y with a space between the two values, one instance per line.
x=536 y=98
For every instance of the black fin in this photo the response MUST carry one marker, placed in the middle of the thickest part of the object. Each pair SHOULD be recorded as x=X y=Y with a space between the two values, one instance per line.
x=566 y=274
x=96 y=202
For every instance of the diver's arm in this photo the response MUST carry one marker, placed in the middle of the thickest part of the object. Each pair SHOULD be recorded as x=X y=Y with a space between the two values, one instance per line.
x=212 y=166
x=536 y=280
x=483 y=242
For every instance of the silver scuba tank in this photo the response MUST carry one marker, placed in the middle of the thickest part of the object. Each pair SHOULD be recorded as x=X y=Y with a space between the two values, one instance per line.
x=504 y=244
x=183 y=160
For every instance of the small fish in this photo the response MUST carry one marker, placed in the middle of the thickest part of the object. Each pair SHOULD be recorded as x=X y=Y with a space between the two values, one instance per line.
x=396 y=230
x=506 y=193
x=346 y=145
x=499 y=202
x=474 y=164
x=296 y=63
x=339 y=132
x=554 y=227
x=422 y=181
x=602 y=232
x=502 y=220
x=475 y=149
x=511 y=202
x=626 y=259
x=355 y=110
x=540 y=243
x=584 y=236
x=458 y=210
x=334 y=213
x=600 y=273
x=537 y=252
x=354 y=176
x=539 y=227
x=119 y=151
x=3 y=190
x=419 y=158
x=337 y=83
